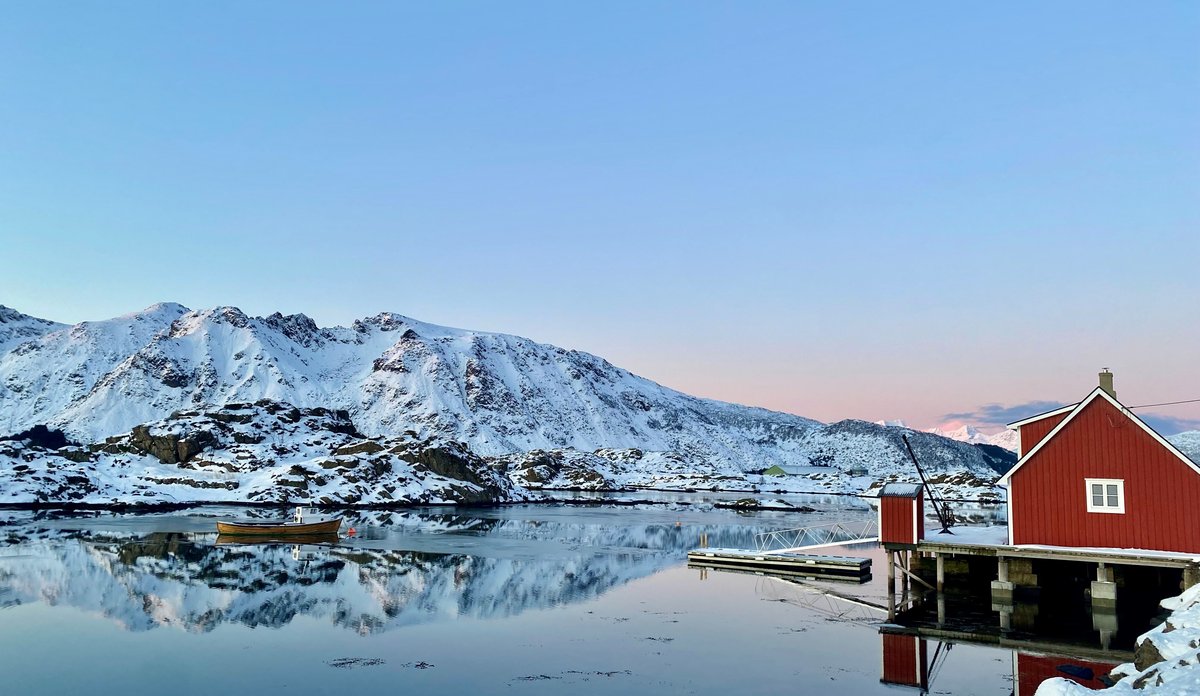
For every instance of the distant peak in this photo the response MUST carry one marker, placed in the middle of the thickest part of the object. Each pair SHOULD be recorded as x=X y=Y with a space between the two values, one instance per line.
x=385 y=321
x=281 y=318
x=298 y=327
x=168 y=310
x=230 y=315
x=9 y=315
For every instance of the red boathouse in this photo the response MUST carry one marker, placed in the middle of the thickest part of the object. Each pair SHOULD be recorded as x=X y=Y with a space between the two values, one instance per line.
x=1093 y=474
x=901 y=514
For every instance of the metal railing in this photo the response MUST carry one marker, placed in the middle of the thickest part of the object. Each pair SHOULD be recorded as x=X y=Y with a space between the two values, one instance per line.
x=816 y=536
x=829 y=602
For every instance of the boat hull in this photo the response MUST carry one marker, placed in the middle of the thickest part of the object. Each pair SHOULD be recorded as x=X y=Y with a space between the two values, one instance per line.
x=280 y=529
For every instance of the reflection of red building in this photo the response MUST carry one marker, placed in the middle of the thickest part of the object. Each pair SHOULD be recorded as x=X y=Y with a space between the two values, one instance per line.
x=905 y=661
x=1030 y=670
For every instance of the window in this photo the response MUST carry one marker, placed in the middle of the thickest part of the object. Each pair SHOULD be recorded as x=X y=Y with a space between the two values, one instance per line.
x=1105 y=495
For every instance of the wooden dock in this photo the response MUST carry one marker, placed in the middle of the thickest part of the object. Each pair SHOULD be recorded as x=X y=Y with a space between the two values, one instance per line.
x=1018 y=567
x=1051 y=553
x=784 y=563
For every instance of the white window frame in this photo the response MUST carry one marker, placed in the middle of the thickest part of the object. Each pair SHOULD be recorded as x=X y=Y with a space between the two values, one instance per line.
x=1119 y=483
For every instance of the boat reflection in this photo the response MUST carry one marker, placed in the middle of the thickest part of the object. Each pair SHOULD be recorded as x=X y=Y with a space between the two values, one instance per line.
x=308 y=540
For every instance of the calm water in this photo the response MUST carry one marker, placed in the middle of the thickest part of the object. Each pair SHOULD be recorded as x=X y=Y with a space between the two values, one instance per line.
x=520 y=600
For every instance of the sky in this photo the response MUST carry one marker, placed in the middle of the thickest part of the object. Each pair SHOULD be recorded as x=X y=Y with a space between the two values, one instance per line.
x=940 y=212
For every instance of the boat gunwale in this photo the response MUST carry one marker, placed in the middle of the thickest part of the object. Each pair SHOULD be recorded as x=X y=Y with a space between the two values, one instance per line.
x=323 y=527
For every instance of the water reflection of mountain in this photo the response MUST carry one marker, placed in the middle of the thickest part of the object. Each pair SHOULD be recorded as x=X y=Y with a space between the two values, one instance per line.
x=187 y=581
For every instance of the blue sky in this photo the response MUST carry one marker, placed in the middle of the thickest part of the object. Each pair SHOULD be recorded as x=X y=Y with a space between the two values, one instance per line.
x=871 y=210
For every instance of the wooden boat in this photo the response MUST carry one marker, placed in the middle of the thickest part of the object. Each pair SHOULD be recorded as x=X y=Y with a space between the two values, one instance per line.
x=297 y=527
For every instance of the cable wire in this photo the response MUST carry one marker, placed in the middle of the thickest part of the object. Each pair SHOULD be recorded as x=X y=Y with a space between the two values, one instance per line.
x=1166 y=403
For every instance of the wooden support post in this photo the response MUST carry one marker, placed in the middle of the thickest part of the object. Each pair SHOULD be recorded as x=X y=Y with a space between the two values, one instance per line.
x=904 y=555
x=1104 y=589
x=891 y=564
x=908 y=574
x=1191 y=575
x=941 y=571
x=1002 y=589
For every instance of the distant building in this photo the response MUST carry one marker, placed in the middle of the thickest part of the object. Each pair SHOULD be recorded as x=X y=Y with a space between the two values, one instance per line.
x=1093 y=474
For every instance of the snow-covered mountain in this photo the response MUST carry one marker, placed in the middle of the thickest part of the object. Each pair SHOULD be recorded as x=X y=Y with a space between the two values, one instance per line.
x=1188 y=443
x=1007 y=439
x=276 y=402
x=499 y=393
x=17 y=328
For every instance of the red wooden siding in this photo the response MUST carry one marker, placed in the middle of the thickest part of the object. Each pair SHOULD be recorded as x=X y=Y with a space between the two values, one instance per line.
x=1049 y=498
x=896 y=524
x=1032 y=670
x=904 y=660
x=1032 y=433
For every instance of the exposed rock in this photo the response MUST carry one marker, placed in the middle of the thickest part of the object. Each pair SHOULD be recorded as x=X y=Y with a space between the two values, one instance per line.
x=41 y=436
x=1149 y=678
x=367 y=447
x=170 y=448
x=1146 y=654
x=75 y=455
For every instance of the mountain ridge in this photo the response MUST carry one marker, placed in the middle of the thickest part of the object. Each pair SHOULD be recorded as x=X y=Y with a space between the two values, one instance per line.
x=393 y=373
x=500 y=395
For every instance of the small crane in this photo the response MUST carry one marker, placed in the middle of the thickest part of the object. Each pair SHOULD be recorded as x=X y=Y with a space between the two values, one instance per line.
x=943 y=515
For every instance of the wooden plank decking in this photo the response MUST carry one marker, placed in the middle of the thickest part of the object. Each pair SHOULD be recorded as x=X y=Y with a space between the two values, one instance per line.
x=783 y=562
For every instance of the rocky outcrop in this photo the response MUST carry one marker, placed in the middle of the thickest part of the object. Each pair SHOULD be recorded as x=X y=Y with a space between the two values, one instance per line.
x=41 y=436
x=558 y=469
x=260 y=452
x=170 y=448
x=1147 y=654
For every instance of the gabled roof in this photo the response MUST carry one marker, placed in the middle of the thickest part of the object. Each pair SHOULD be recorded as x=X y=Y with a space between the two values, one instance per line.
x=1025 y=421
x=1098 y=393
x=900 y=490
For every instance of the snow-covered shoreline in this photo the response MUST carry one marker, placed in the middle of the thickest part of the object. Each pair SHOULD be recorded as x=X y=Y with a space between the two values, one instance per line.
x=1166 y=660
x=275 y=453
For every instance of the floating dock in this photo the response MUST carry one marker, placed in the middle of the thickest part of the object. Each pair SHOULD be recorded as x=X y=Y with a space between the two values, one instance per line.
x=784 y=563
x=790 y=552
